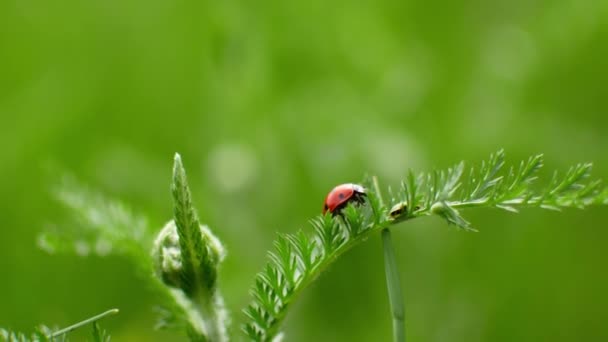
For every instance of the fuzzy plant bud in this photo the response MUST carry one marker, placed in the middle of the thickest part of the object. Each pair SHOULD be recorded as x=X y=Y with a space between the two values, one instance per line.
x=439 y=208
x=451 y=215
x=168 y=258
x=186 y=258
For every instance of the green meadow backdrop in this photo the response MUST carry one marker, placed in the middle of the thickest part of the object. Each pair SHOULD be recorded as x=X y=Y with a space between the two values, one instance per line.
x=271 y=104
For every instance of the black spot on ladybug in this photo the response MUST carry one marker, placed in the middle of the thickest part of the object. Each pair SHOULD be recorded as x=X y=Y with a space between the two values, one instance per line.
x=341 y=195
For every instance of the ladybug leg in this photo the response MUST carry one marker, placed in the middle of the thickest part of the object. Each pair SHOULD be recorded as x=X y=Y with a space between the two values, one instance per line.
x=338 y=211
x=359 y=197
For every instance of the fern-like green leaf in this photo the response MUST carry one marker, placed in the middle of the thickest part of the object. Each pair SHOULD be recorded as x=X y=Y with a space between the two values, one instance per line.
x=39 y=335
x=46 y=334
x=298 y=259
x=192 y=247
x=99 y=225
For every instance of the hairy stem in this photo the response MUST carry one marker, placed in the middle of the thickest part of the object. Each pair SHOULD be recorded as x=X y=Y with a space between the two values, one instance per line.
x=85 y=322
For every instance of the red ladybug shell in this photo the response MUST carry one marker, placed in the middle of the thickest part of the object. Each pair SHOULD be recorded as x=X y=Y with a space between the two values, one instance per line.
x=339 y=197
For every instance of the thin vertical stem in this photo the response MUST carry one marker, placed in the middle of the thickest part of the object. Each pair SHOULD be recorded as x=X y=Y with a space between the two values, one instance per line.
x=393 y=285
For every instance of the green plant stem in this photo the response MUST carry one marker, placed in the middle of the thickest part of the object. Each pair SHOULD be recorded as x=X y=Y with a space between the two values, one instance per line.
x=205 y=305
x=393 y=285
x=85 y=322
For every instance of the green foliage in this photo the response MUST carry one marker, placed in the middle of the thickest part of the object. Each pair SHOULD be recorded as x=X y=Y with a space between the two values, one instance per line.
x=271 y=102
x=105 y=226
x=200 y=251
x=199 y=260
x=443 y=193
x=298 y=259
x=46 y=334
x=99 y=334
x=186 y=255
x=41 y=334
x=98 y=225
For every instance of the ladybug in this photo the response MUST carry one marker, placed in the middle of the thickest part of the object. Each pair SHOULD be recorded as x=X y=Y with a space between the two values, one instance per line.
x=341 y=195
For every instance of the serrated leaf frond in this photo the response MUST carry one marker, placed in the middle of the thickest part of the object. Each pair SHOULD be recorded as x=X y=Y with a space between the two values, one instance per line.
x=97 y=225
x=298 y=259
x=445 y=193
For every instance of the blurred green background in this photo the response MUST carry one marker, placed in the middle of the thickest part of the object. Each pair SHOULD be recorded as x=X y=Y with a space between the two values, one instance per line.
x=273 y=103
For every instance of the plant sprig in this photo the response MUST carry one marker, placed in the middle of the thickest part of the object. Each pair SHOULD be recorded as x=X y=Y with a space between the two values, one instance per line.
x=107 y=226
x=445 y=192
x=186 y=255
x=40 y=334
x=46 y=334
x=193 y=247
x=298 y=259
